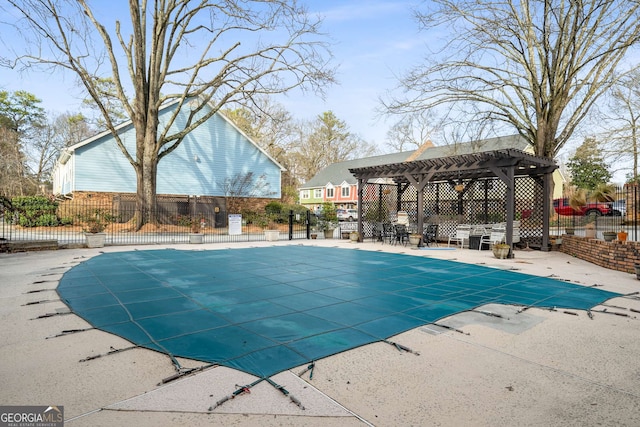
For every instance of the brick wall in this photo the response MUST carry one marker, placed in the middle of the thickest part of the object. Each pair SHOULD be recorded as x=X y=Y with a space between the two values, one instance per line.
x=614 y=255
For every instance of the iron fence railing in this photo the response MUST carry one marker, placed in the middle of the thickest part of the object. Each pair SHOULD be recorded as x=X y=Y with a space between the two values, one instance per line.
x=623 y=215
x=484 y=202
x=66 y=223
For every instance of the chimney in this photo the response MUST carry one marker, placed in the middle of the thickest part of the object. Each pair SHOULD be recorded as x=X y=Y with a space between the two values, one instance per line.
x=419 y=151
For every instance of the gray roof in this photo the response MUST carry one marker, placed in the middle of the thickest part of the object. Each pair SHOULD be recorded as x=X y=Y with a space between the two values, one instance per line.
x=337 y=173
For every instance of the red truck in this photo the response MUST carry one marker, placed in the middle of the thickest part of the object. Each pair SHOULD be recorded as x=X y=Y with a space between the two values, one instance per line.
x=562 y=207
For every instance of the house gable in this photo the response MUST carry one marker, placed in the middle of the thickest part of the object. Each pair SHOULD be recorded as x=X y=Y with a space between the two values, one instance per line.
x=208 y=156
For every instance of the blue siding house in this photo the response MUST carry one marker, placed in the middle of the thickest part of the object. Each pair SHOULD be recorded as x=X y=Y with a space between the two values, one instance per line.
x=212 y=153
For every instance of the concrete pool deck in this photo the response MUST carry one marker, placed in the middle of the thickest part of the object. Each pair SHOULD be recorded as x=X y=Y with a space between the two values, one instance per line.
x=536 y=367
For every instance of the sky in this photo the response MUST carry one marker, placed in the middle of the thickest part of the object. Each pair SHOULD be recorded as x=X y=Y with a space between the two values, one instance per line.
x=373 y=41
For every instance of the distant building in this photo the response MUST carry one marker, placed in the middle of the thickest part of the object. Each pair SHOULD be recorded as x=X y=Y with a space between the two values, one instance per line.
x=336 y=184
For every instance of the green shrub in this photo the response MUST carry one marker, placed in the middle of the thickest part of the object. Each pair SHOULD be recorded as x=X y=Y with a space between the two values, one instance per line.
x=66 y=220
x=274 y=207
x=34 y=211
x=47 y=220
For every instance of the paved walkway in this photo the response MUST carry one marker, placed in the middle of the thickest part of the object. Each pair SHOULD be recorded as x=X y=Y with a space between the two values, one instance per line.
x=501 y=367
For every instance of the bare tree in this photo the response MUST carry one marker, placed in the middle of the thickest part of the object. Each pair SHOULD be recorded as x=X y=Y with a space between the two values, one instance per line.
x=413 y=130
x=624 y=120
x=21 y=119
x=267 y=123
x=240 y=50
x=324 y=141
x=13 y=171
x=52 y=137
x=243 y=186
x=537 y=66
x=272 y=127
x=106 y=90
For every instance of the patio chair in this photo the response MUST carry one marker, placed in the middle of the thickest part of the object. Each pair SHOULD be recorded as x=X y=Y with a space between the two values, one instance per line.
x=403 y=218
x=401 y=234
x=461 y=236
x=388 y=232
x=378 y=232
x=497 y=235
x=430 y=234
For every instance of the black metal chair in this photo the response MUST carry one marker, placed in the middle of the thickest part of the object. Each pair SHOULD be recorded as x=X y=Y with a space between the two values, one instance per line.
x=430 y=234
x=401 y=234
x=388 y=233
x=377 y=233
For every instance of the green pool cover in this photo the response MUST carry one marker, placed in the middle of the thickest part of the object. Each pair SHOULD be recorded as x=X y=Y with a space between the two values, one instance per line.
x=265 y=310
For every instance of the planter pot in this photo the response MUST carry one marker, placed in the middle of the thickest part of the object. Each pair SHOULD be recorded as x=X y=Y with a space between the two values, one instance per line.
x=95 y=240
x=328 y=234
x=345 y=234
x=314 y=236
x=414 y=240
x=501 y=252
x=354 y=237
x=622 y=236
x=196 y=238
x=272 y=235
x=570 y=231
x=637 y=267
x=590 y=233
x=609 y=236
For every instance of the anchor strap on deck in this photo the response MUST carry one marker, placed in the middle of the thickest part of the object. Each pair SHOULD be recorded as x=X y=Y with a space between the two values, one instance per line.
x=401 y=347
x=245 y=389
x=309 y=369
x=285 y=392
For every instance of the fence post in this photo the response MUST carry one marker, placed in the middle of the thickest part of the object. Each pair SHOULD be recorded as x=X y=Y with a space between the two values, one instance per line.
x=308 y=224
x=291 y=224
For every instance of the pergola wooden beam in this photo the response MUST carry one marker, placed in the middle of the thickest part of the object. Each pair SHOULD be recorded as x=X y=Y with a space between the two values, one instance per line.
x=504 y=164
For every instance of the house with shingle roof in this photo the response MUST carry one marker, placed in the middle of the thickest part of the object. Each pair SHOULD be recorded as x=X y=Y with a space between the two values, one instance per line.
x=336 y=184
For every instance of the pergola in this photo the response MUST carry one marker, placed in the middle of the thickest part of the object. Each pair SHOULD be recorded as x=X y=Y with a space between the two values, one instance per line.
x=462 y=170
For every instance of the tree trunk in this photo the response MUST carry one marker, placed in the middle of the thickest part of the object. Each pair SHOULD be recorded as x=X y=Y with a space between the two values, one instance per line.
x=146 y=175
x=146 y=193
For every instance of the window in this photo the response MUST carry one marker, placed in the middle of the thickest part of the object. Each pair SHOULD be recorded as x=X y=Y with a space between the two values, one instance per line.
x=329 y=193
x=317 y=193
x=304 y=194
x=345 y=191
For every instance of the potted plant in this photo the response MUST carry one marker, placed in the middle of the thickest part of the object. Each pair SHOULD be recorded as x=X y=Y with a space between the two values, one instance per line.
x=196 y=236
x=354 y=236
x=622 y=235
x=590 y=230
x=329 y=220
x=501 y=250
x=269 y=226
x=94 y=231
x=609 y=236
x=414 y=239
x=327 y=228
